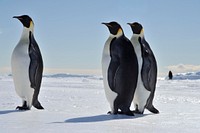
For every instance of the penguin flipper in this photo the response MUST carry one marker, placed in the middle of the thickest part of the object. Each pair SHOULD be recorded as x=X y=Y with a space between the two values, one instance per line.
x=35 y=70
x=36 y=63
x=113 y=67
x=145 y=74
x=149 y=67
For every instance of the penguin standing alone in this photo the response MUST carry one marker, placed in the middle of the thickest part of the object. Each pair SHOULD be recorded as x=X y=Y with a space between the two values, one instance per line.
x=147 y=75
x=119 y=69
x=170 y=75
x=27 y=66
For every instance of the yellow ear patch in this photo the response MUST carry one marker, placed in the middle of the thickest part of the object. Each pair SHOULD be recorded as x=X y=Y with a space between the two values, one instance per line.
x=142 y=31
x=31 y=24
x=119 y=31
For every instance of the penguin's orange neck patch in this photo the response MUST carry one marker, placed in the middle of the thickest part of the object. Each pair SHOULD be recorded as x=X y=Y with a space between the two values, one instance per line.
x=119 y=32
x=31 y=27
x=142 y=31
x=31 y=24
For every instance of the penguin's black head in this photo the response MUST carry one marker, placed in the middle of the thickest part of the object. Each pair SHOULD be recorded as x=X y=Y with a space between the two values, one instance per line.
x=136 y=27
x=113 y=27
x=25 y=20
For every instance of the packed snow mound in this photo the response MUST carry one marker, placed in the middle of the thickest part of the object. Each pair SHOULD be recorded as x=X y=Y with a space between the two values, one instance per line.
x=186 y=76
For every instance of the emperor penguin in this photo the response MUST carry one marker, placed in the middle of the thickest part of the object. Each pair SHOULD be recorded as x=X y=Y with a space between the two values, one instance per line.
x=147 y=76
x=27 y=66
x=119 y=70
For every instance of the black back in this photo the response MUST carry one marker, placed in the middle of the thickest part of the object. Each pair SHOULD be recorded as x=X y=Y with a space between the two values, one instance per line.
x=123 y=71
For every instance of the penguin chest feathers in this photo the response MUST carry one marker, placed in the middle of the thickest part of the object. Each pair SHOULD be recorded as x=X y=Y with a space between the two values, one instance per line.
x=110 y=95
x=20 y=63
x=138 y=51
x=141 y=93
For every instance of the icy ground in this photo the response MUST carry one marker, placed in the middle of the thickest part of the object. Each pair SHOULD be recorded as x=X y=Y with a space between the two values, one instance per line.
x=77 y=104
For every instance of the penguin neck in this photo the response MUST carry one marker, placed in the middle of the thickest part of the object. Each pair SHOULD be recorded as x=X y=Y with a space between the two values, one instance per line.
x=138 y=50
x=119 y=34
x=25 y=34
x=135 y=37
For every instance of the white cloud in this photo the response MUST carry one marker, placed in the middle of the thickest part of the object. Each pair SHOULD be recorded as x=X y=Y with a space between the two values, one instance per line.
x=182 y=68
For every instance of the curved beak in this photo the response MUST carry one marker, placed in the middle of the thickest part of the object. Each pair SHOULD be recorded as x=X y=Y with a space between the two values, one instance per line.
x=129 y=24
x=107 y=24
x=17 y=17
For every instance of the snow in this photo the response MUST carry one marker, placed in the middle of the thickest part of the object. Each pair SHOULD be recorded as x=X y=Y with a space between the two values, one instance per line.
x=77 y=104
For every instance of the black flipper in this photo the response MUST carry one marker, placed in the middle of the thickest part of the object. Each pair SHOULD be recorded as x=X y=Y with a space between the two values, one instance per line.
x=149 y=73
x=114 y=65
x=35 y=69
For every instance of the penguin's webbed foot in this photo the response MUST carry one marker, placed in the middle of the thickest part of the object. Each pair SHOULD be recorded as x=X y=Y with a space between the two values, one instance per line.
x=22 y=108
x=128 y=113
x=109 y=113
x=138 y=112
x=112 y=113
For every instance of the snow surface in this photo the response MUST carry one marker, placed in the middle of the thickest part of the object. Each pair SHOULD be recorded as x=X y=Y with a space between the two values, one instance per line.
x=77 y=104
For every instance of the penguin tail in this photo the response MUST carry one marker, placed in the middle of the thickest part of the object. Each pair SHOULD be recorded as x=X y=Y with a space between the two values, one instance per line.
x=37 y=105
x=153 y=109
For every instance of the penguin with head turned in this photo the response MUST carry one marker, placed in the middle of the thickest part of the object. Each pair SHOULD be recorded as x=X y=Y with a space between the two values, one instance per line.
x=120 y=70
x=27 y=66
x=147 y=75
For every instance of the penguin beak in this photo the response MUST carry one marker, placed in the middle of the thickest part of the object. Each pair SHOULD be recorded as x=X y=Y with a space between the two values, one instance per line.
x=17 y=17
x=130 y=24
x=107 y=24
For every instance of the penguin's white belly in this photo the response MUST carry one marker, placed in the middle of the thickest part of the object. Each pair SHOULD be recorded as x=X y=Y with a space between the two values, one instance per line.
x=141 y=93
x=110 y=95
x=20 y=69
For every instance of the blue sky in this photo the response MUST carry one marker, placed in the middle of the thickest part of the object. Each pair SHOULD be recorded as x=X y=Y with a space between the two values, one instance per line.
x=71 y=36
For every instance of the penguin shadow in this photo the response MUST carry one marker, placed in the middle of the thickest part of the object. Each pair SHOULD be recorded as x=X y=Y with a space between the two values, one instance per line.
x=101 y=118
x=3 y=112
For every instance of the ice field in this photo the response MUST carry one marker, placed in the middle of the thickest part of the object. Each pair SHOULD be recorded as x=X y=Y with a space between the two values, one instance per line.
x=77 y=104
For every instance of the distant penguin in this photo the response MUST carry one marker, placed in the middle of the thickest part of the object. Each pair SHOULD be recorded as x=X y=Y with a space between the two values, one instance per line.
x=27 y=66
x=119 y=69
x=147 y=75
x=170 y=75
